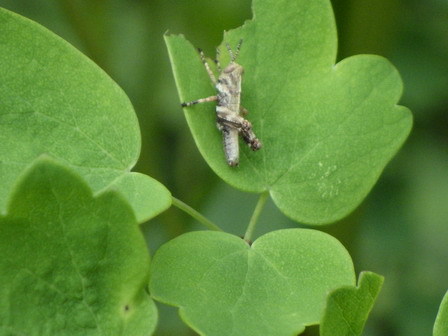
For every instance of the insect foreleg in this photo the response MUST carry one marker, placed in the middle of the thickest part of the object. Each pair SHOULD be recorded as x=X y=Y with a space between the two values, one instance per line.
x=207 y=67
x=218 y=64
x=198 y=101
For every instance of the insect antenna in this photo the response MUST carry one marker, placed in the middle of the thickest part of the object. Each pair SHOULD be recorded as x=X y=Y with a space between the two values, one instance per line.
x=237 y=51
x=230 y=52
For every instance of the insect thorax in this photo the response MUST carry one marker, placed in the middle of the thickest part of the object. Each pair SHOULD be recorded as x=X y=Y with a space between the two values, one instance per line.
x=228 y=87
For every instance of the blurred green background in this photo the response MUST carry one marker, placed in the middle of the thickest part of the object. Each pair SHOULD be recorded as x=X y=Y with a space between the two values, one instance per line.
x=400 y=231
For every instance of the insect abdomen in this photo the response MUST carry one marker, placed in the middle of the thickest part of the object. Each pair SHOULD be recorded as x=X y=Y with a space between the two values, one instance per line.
x=230 y=143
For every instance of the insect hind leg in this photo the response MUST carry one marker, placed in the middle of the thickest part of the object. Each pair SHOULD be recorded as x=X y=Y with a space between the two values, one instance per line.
x=243 y=126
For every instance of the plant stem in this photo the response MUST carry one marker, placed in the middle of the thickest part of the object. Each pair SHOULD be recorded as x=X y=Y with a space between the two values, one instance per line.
x=195 y=214
x=254 y=219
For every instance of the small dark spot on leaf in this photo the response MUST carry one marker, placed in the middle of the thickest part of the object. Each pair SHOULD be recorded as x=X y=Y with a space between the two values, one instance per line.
x=127 y=308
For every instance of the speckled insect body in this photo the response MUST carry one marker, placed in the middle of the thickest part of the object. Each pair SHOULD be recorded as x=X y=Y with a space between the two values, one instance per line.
x=229 y=112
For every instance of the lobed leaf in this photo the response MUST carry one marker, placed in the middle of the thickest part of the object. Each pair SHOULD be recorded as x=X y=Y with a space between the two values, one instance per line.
x=327 y=130
x=72 y=264
x=55 y=101
x=348 y=307
x=223 y=286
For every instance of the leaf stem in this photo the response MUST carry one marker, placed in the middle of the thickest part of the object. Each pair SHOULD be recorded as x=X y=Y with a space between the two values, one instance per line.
x=195 y=214
x=254 y=219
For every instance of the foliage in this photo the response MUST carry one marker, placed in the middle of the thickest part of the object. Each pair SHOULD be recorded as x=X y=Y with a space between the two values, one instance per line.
x=71 y=263
x=441 y=325
x=347 y=307
x=58 y=102
x=328 y=132
x=277 y=286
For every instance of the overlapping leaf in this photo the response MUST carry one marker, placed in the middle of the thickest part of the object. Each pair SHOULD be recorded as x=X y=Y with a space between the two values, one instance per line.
x=327 y=130
x=72 y=264
x=441 y=325
x=348 y=307
x=54 y=100
x=277 y=286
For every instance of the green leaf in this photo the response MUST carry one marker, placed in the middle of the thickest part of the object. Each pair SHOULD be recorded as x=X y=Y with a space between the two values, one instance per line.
x=223 y=286
x=54 y=100
x=327 y=130
x=147 y=196
x=348 y=307
x=72 y=264
x=441 y=325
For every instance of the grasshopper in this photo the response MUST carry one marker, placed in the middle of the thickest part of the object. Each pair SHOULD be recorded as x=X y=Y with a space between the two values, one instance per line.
x=229 y=112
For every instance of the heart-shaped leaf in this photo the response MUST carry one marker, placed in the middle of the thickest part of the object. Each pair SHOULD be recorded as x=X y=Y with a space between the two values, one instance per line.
x=71 y=264
x=54 y=100
x=441 y=325
x=348 y=307
x=327 y=130
x=223 y=286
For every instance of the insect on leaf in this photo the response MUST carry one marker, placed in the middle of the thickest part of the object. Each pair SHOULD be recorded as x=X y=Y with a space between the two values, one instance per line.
x=327 y=129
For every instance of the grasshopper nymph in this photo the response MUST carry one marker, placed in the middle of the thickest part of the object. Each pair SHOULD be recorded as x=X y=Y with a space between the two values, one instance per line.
x=229 y=112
